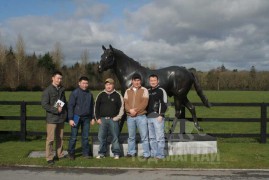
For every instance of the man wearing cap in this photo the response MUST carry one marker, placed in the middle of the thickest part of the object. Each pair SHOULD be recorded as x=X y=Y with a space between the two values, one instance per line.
x=109 y=108
x=80 y=113
x=136 y=100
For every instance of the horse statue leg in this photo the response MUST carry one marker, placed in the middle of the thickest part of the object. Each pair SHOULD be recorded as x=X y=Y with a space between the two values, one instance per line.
x=191 y=108
x=178 y=105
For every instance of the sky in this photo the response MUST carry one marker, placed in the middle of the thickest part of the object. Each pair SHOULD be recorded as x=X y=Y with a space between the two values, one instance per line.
x=200 y=34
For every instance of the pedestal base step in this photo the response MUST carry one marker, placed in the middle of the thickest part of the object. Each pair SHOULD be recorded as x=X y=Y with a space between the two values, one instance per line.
x=176 y=144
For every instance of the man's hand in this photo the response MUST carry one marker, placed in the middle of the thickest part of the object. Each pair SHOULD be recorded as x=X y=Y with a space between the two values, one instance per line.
x=159 y=119
x=133 y=113
x=72 y=123
x=92 y=122
x=59 y=109
x=99 y=121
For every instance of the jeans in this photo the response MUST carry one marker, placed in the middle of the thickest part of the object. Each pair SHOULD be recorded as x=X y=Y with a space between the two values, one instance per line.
x=108 y=125
x=156 y=137
x=84 y=122
x=141 y=123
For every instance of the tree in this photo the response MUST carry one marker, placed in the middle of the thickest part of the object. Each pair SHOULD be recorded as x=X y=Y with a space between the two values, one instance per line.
x=57 y=55
x=46 y=66
x=19 y=56
x=84 y=61
x=2 y=63
x=252 y=78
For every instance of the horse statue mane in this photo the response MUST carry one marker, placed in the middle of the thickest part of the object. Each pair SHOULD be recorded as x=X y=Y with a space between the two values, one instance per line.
x=176 y=80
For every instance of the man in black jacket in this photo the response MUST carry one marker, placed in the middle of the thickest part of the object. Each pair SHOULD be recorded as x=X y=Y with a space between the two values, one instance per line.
x=54 y=102
x=80 y=113
x=109 y=108
x=155 y=113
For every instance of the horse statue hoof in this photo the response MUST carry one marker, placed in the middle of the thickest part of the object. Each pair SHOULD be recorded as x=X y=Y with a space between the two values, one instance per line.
x=198 y=127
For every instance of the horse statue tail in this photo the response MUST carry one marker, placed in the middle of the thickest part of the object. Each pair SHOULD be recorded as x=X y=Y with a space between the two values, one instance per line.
x=200 y=93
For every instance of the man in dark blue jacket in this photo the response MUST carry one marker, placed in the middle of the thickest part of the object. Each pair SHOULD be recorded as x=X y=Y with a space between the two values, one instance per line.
x=80 y=113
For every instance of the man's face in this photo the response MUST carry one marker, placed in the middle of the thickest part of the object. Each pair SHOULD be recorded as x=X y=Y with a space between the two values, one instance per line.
x=83 y=85
x=57 y=80
x=136 y=83
x=109 y=87
x=153 y=82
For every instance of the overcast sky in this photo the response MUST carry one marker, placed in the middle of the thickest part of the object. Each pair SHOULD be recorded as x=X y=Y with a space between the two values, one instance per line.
x=203 y=34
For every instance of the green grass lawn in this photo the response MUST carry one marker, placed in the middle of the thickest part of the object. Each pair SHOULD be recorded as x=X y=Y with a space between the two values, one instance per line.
x=232 y=152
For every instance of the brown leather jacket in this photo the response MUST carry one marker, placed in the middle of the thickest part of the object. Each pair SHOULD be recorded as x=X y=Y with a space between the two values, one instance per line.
x=136 y=99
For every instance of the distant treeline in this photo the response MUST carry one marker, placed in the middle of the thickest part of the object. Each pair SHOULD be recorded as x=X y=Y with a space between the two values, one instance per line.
x=22 y=72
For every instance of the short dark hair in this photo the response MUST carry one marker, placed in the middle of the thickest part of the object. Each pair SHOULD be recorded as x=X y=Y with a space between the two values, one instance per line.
x=136 y=76
x=83 y=78
x=154 y=75
x=56 y=73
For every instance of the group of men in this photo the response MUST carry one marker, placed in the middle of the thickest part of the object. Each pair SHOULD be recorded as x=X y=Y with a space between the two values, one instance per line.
x=145 y=110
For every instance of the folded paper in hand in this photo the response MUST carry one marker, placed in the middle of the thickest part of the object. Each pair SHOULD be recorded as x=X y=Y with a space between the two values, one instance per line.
x=59 y=103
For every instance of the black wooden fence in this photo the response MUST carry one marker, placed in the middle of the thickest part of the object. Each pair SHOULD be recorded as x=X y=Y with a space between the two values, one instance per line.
x=263 y=119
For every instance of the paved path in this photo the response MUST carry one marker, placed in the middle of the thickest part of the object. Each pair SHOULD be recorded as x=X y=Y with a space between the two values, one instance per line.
x=44 y=173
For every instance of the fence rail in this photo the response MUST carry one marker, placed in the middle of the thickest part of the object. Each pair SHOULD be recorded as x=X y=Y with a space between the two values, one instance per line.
x=262 y=120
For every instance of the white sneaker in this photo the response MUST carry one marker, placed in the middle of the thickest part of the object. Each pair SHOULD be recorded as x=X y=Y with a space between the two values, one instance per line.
x=100 y=157
x=116 y=157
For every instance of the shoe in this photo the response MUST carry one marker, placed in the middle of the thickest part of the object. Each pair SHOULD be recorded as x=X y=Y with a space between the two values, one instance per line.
x=71 y=156
x=143 y=157
x=56 y=158
x=116 y=157
x=130 y=155
x=50 y=162
x=100 y=157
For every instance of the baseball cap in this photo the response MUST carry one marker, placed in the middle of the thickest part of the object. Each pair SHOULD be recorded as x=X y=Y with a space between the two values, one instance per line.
x=109 y=80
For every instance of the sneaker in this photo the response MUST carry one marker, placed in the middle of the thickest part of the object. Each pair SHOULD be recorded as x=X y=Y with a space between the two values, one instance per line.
x=71 y=156
x=50 y=162
x=116 y=157
x=130 y=155
x=159 y=158
x=100 y=157
x=143 y=157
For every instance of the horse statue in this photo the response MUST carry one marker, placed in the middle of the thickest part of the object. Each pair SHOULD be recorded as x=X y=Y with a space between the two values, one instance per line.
x=177 y=81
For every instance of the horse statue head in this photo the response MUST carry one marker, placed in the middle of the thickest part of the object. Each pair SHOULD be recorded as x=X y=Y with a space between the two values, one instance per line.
x=107 y=59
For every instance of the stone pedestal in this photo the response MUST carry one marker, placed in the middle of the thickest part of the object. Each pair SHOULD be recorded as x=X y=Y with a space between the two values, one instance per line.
x=176 y=144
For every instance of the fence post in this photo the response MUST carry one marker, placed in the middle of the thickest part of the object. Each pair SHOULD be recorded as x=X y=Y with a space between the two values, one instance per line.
x=263 y=122
x=182 y=121
x=23 y=121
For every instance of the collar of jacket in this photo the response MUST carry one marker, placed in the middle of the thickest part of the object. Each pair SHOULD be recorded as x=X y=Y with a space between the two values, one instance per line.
x=57 y=88
x=151 y=88
x=131 y=88
x=109 y=92
x=83 y=90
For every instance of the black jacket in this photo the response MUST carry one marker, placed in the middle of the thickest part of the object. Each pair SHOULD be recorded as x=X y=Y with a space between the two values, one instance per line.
x=109 y=105
x=157 y=102
x=49 y=97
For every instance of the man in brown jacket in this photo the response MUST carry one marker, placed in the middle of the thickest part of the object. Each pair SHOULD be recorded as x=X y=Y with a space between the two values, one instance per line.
x=136 y=101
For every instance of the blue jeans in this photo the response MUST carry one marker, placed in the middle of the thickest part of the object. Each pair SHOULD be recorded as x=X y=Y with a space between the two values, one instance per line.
x=84 y=122
x=139 y=122
x=108 y=125
x=156 y=137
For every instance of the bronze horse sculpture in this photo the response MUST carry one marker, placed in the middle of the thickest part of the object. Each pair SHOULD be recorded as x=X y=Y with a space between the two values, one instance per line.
x=177 y=81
